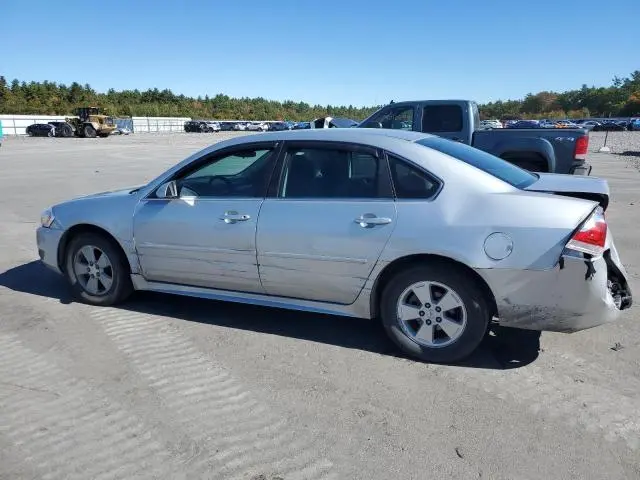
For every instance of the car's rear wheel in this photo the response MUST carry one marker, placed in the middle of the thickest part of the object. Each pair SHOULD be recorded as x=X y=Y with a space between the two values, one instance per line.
x=436 y=313
x=97 y=270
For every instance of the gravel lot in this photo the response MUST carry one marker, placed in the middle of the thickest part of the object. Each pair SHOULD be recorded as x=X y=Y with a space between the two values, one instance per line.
x=167 y=387
x=621 y=143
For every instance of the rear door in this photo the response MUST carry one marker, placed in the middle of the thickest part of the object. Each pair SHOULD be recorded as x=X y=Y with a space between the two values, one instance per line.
x=327 y=220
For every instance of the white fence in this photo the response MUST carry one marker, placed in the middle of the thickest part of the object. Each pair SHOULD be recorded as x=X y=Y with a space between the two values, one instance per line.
x=159 y=124
x=16 y=124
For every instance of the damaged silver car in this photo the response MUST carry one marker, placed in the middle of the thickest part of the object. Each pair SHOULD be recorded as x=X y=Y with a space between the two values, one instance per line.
x=432 y=237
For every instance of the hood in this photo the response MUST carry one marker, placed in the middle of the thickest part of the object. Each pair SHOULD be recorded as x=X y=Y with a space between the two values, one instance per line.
x=579 y=186
x=111 y=193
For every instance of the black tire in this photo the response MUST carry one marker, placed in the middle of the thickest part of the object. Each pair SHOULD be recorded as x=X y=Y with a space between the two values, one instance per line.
x=468 y=291
x=120 y=287
x=89 y=131
x=66 y=131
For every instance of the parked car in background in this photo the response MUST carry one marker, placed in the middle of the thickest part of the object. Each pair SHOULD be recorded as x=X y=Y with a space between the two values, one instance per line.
x=240 y=126
x=546 y=124
x=535 y=149
x=588 y=124
x=279 y=126
x=213 y=127
x=194 y=126
x=635 y=124
x=609 y=126
x=566 y=124
x=226 y=126
x=488 y=124
x=525 y=124
x=201 y=126
x=541 y=258
x=40 y=130
x=333 y=122
x=302 y=125
x=257 y=127
x=121 y=131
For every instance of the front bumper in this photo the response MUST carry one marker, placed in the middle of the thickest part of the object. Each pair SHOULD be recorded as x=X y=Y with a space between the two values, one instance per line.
x=48 y=240
x=573 y=296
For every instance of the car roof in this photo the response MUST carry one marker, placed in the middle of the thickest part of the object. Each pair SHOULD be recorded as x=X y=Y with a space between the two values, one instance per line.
x=373 y=136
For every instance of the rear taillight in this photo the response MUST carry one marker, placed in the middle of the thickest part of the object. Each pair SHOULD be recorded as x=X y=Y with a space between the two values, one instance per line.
x=591 y=236
x=582 y=147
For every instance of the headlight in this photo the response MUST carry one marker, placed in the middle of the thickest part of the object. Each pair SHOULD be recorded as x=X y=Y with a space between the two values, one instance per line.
x=46 y=218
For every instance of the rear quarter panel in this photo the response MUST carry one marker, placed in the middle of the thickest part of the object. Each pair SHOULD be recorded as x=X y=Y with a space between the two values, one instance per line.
x=472 y=205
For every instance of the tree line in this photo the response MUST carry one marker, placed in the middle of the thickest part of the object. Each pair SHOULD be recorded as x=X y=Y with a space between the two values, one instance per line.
x=621 y=98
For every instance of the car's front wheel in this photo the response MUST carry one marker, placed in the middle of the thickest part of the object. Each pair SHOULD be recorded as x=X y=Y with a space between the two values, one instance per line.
x=436 y=313
x=97 y=270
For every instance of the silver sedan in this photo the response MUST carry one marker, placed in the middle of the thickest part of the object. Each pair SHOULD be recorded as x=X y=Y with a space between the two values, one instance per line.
x=432 y=237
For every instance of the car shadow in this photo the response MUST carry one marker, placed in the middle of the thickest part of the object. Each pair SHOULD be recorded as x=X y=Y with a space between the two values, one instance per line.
x=630 y=153
x=502 y=349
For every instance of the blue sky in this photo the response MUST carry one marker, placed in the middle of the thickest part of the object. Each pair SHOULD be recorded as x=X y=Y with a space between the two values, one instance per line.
x=355 y=52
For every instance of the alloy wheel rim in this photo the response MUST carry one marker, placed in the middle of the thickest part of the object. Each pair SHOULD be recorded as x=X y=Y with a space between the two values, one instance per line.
x=431 y=314
x=93 y=270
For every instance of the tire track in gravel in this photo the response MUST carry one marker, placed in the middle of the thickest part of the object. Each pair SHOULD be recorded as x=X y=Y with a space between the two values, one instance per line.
x=63 y=428
x=563 y=395
x=234 y=434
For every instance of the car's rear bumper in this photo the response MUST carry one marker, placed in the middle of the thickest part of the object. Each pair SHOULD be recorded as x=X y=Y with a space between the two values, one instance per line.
x=573 y=296
x=48 y=240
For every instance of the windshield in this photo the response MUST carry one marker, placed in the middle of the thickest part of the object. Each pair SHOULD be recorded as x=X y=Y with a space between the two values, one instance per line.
x=499 y=168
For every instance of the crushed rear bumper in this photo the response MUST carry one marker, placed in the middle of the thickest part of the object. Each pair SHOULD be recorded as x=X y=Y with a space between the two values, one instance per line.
x=577 y=294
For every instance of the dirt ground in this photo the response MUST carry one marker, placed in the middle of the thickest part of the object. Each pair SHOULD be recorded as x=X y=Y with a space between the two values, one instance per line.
x=168 y=387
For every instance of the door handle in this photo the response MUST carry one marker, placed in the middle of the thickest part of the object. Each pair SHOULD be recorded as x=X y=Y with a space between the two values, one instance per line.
x=371 y=220
x=233 y=217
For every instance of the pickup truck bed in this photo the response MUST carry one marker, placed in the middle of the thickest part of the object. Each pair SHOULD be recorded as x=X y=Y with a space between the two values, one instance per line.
x=540 y=150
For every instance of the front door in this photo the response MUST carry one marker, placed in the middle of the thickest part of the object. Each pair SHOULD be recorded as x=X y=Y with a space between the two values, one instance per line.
x=206 y=236
x=320 y=238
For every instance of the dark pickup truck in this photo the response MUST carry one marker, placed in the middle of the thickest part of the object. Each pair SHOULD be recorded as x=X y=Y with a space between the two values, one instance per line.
x=557 y=150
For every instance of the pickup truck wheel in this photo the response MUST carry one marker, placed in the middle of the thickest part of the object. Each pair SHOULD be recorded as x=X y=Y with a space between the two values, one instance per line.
x=435 y=313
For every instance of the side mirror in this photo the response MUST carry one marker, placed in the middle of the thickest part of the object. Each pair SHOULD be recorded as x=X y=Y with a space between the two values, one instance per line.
x=168 y=190
x=371 y=124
